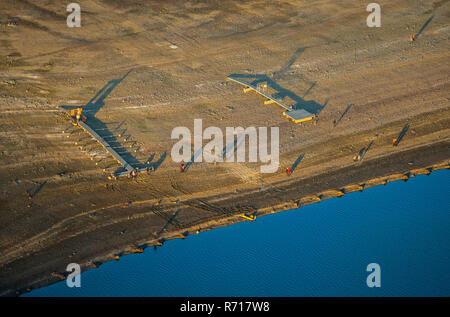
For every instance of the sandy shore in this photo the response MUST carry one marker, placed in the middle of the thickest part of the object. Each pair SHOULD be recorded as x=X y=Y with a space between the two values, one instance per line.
x=57 y=205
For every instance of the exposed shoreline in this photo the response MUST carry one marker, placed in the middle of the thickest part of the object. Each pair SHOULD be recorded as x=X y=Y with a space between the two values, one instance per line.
x=422 y=165
x=163 y=65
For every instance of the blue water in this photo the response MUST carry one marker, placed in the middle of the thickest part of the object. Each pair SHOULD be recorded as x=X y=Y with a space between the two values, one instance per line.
x=318 y=250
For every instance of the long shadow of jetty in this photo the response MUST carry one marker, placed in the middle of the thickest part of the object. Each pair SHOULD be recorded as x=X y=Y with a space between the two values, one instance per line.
x=92 y=107
x=288 y=65
x=280 y=93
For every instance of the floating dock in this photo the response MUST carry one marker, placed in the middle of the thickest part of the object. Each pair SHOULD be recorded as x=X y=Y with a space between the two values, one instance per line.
x=296 y=115
x=129 y=169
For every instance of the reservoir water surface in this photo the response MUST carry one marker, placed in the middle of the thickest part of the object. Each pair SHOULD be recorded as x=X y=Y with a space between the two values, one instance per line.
x=321 y=249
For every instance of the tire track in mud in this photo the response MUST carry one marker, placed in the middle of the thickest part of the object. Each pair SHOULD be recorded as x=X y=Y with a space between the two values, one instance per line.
x=198 y=204
x=157 y=210
x=32 y=244
x=178 y=187
x=214 y=212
